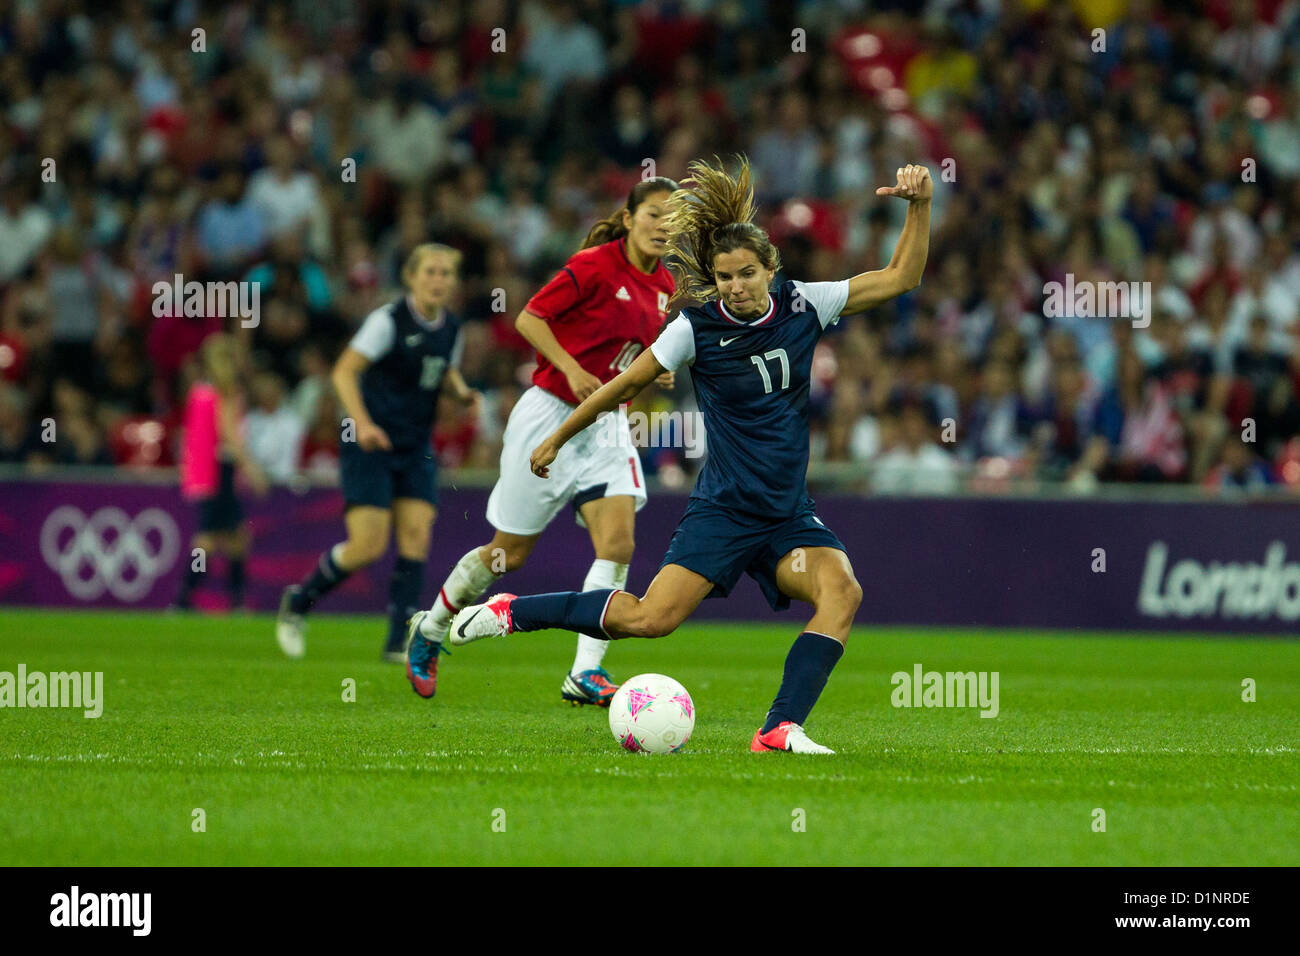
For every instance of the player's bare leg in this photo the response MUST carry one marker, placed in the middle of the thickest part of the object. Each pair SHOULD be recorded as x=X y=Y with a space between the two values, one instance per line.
x=824 y=578
x=672 y=596
x=610 y=522
x=368 y=529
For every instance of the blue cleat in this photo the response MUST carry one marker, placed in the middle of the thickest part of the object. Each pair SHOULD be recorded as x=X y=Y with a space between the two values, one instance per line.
x=589 y=687
x=422 y=658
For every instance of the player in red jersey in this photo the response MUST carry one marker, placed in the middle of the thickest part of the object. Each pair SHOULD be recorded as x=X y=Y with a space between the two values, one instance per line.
x=605 y=306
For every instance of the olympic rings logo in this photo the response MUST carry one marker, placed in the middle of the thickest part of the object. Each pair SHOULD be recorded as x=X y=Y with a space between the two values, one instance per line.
x=119 y=554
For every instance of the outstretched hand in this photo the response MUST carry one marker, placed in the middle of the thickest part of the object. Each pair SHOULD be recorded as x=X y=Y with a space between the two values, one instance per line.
x=542 y=456
x=914 y=184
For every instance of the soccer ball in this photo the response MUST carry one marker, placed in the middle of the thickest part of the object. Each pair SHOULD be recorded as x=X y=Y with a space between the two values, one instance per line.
x=652 y=713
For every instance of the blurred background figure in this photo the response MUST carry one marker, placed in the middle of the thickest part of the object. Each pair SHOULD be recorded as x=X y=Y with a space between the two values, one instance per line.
x=274 y=430
x=213 y=450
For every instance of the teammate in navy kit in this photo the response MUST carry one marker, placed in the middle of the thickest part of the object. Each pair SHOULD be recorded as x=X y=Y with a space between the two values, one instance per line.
x=588 y=324
x=388 y=380
x=750 y=349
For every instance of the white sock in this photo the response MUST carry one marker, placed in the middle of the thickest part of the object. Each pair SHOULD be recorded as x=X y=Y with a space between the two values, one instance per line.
x=591 y=650
x=467 y=581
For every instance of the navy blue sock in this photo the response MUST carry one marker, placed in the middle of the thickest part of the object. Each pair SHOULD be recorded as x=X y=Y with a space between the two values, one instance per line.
x=579 y=611
x=809 y=664
x=327 y=576
x=235 y=583
x=403 y=597
x=188 y=584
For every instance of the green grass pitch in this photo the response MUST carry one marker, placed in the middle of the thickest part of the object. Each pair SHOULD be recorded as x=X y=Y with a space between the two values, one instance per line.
x=204 y=713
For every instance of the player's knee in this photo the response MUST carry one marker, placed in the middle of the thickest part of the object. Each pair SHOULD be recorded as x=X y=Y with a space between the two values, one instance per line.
x=413 y=542
x=367 y=550
x=617 y=547
x=842 y=592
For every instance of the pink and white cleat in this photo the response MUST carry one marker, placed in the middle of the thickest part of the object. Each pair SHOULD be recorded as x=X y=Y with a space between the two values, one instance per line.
x=477 y=621
x=787 y=736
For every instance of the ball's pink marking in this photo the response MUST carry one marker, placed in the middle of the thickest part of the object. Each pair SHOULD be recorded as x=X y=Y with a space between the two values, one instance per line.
x=688 y=708
x=637 y=701
x=629 y=742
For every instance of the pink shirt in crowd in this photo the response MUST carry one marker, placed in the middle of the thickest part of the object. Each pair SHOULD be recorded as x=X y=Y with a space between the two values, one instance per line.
x=200 y=442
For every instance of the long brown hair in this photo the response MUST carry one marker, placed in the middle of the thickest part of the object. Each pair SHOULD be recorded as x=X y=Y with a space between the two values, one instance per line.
x=611 y=228
x=714 y=214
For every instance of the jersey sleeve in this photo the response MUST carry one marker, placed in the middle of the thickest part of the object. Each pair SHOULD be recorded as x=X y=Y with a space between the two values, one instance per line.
x=569 y=287
x=457 y=349
x=675 y=346
x=828 y=298
x=375 y=337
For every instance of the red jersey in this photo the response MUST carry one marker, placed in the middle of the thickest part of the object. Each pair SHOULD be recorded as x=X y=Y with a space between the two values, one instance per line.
x=603 y=311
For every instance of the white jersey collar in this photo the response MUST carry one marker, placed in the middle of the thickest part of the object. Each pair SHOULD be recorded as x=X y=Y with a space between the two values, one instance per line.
x=771 y=307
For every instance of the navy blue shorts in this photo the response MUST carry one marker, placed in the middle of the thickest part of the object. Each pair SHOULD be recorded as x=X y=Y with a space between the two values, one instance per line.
x=377 y=477
x=721 y=545
x=221 y=511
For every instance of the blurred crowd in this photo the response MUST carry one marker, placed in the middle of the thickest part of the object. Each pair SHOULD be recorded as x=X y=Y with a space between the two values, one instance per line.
x=308 y=146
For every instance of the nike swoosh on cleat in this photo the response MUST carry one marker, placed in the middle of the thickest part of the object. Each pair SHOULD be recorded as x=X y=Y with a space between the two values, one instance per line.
x=461 y=630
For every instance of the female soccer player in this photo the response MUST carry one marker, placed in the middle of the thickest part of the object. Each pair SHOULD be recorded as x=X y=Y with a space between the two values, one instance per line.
x=388 y=379
x=588 y=323
x=750 y=349
x=211 y=447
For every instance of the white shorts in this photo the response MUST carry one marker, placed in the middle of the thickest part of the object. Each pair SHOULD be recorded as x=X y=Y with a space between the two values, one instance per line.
x=598 y=462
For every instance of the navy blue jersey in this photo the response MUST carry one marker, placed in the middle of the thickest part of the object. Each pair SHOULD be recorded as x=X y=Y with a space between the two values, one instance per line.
x=409 y=357
x=751 y=383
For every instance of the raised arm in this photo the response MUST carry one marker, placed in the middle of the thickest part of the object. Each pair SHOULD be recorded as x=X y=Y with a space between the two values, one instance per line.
x=622 y=388
x=903 y=274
